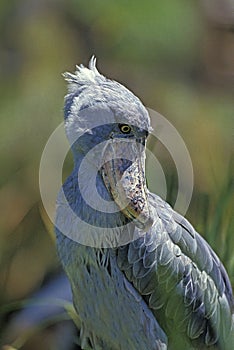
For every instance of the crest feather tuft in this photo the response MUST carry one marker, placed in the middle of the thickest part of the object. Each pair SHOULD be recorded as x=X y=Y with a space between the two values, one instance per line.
x=83 y=75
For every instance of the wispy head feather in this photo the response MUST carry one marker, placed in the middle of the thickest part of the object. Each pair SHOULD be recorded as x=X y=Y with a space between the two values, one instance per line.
x=83 y=75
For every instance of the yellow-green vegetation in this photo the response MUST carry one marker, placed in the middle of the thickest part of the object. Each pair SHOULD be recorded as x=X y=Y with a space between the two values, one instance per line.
x=161 y=51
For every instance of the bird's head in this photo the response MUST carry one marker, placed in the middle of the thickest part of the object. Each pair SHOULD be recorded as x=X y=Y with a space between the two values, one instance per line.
x=107 y=127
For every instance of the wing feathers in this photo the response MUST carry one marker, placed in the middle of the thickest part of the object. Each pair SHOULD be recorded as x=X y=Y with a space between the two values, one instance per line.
x=181 y=279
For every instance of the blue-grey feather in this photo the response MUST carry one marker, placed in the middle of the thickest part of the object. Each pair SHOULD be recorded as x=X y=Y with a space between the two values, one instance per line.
x=169 y=280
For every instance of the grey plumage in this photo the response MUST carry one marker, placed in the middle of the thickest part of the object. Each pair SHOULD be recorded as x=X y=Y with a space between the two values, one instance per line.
x=166 y=289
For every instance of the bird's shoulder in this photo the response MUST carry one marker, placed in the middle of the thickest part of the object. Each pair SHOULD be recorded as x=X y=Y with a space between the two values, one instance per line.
x=180 y=276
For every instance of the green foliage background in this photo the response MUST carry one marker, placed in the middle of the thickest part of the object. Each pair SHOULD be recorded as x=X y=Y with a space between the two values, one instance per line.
x=167 y=52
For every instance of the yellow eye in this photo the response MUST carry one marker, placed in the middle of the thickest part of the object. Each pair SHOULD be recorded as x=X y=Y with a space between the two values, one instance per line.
x=125 y=128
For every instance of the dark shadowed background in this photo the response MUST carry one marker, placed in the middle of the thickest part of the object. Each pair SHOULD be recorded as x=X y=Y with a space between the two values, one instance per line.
x=177 y=56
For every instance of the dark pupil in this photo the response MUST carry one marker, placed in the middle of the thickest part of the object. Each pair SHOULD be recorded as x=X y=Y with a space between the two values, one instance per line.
x=124 y=128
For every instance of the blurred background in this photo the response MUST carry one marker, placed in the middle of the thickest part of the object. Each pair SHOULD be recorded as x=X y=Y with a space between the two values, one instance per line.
x=178 y=57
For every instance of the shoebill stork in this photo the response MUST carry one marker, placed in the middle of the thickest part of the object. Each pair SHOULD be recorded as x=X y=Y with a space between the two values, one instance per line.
x=146 y=279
